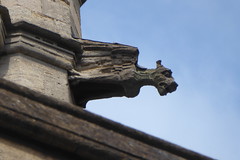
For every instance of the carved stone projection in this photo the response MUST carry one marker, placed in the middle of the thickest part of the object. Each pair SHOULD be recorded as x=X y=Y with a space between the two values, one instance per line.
x=110 y=70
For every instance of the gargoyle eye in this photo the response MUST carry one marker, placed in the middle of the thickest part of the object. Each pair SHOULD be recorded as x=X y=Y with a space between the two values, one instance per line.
x=167 y=73
x=162 y=84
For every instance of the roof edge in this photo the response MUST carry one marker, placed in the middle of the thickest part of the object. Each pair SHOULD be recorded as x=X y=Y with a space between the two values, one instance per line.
x=80 y=113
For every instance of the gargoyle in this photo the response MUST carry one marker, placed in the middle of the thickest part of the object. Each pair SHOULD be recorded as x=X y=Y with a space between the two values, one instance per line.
x=110 y=70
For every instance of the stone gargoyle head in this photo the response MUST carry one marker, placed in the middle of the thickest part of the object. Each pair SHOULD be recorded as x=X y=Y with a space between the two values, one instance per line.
x=163 y=80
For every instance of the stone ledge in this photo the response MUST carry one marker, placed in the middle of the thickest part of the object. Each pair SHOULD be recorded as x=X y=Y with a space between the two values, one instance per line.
x=16 y=147
x=75 y=130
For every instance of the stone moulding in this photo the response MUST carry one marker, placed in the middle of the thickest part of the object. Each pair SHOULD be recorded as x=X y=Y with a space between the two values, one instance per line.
x=35 y=46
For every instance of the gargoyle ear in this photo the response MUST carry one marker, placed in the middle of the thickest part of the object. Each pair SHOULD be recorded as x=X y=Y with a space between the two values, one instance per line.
x=159 y=63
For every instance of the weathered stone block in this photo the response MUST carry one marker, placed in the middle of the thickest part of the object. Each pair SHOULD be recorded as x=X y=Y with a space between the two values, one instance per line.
x=55 y=16
x=57 y=10
x=35 y=74
x=33 y=4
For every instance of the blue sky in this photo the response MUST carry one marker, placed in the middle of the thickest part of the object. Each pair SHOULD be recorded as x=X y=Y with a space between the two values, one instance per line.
x=199 y=40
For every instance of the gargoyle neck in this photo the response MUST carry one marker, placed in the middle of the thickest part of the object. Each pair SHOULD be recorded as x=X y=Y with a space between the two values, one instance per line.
x=145 y=77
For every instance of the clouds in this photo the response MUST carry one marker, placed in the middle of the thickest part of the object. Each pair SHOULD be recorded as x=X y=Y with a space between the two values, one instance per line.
x=199 y=41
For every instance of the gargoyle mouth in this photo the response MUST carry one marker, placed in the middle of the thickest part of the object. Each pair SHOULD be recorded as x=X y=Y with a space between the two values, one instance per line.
x=164 y=88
